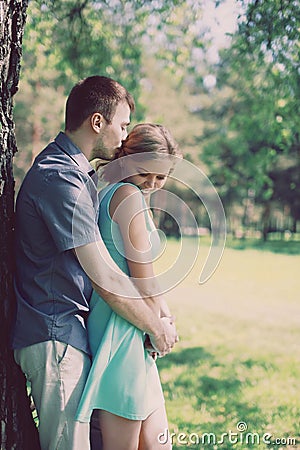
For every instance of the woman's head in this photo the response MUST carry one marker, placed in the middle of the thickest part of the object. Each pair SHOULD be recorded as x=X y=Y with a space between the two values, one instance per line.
x=148 y=137
x=151 y=153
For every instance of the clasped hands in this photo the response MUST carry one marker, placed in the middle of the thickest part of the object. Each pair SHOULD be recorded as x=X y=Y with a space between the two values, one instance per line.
x=159 y=345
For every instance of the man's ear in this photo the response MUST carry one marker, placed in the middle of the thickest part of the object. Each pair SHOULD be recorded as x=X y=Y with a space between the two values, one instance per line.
x=96 y=121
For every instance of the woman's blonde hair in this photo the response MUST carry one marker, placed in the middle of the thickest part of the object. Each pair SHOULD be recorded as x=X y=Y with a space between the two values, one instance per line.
x=144 y=138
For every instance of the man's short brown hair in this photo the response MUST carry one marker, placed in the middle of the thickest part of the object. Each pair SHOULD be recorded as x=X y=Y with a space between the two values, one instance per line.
x=95 y=94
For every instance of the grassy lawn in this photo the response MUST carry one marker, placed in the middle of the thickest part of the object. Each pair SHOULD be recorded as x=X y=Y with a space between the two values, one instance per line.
x=237 y=364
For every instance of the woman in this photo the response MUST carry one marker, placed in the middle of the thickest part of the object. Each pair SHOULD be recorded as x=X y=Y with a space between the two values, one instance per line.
x=123 y=383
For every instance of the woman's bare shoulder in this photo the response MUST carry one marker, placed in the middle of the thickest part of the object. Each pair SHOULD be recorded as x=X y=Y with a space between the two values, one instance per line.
x=128 y=192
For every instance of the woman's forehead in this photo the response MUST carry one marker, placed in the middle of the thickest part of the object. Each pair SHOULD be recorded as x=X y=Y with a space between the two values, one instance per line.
x=153 y=166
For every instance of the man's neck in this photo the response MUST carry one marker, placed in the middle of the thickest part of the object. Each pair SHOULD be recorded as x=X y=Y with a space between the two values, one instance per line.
x=82 y=141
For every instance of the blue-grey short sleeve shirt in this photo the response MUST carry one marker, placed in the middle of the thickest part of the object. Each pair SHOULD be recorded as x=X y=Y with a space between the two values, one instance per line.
x=56 y=211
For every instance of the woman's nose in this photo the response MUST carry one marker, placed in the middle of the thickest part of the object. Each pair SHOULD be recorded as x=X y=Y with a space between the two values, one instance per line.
x=150 y=182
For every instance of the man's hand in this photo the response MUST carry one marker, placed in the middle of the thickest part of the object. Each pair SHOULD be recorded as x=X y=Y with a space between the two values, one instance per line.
x=164 y=342
x=149 y=348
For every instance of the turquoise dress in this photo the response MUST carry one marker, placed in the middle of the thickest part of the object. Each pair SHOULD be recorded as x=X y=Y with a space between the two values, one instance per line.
x=123 y=378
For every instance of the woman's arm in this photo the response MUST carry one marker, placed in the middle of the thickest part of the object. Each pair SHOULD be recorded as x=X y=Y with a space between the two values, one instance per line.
x=128 y=210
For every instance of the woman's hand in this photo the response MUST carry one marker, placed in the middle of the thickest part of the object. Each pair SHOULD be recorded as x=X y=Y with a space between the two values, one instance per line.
x=164 y=342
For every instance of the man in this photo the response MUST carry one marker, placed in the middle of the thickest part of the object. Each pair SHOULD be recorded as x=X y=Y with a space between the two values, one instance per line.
x=60 y=255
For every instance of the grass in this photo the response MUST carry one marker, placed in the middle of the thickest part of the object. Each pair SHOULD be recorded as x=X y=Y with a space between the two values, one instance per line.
x=237 y=362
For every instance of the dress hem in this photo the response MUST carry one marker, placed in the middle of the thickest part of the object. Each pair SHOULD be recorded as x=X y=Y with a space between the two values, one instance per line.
x=116 y=413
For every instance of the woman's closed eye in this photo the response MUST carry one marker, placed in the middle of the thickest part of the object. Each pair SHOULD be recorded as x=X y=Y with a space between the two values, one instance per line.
x=158 y=177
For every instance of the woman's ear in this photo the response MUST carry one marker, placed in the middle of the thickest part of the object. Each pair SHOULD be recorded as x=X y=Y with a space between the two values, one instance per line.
x=96 y=122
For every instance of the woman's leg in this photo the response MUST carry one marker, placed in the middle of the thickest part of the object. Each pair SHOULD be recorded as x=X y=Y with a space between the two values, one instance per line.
x=154 y=432
x=119 y=433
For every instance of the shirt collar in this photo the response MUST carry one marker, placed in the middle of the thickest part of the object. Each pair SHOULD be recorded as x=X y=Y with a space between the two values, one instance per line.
x=68 y=147
x=73 y=151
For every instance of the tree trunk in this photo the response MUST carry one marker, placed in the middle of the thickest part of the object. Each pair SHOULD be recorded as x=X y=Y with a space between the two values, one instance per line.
x=265 y=220
x=18 y=431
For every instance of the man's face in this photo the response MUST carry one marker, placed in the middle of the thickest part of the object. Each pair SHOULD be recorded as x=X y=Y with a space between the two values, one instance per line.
x=112 y=134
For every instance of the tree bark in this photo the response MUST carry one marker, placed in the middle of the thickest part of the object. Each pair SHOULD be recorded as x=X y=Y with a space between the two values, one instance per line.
x=18 y=431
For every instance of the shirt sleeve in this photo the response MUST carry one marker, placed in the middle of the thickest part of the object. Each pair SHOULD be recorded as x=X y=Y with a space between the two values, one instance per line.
x=69 y=207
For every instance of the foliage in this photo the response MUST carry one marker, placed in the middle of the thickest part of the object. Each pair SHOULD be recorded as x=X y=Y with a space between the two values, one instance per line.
x=69 y=40
x=255 y=146
x=65 y=41
x=178 y=40
x=80 y=38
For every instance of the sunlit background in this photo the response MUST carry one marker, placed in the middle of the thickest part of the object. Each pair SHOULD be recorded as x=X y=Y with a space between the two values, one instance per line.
x=223 y=76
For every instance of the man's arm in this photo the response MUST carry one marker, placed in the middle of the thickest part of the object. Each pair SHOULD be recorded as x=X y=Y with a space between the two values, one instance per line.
x=121 y=295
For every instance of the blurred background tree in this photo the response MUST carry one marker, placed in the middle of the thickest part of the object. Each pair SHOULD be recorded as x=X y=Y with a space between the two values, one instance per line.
x=253 y=149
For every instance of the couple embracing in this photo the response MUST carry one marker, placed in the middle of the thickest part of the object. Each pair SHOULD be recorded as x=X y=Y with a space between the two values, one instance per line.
x=91 y=319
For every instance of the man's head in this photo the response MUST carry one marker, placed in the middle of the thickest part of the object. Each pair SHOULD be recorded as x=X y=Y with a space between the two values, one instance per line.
x=105 y=106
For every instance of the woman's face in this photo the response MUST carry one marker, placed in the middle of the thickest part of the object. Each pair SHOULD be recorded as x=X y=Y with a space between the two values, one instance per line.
x=149 y=176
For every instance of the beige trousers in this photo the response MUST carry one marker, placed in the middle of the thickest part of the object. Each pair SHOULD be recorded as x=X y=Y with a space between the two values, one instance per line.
x=57 y=373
